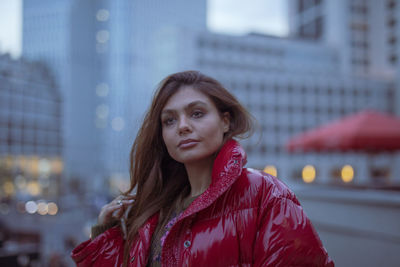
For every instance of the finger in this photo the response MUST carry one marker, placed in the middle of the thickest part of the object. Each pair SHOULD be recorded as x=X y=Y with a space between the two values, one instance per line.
x=118 y=213
x=113 y=208
x=127 y=201
x=123 y=204
x=107 y=213
x=116 y=200
x=110 y=210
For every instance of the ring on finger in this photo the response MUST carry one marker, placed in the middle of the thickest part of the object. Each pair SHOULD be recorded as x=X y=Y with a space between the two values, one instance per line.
x=119 y=202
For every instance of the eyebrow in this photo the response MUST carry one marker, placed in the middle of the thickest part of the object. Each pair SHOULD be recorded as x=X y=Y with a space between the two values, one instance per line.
x=188 y=106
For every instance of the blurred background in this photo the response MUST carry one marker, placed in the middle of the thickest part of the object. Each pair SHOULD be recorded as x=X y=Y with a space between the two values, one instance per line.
x=76 y=77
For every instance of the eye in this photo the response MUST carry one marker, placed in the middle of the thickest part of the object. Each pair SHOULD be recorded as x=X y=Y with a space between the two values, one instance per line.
x=168 y=121
x=197 y=114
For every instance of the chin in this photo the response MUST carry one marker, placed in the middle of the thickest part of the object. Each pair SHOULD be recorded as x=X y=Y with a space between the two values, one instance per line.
x=188 y=159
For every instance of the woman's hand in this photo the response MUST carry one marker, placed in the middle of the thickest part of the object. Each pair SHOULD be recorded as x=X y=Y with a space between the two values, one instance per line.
x=113 y=210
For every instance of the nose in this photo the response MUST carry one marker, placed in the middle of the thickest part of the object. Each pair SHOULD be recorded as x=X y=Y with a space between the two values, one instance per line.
x=184 y=125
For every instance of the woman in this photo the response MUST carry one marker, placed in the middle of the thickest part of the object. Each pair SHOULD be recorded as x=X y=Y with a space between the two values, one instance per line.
x=195 y=203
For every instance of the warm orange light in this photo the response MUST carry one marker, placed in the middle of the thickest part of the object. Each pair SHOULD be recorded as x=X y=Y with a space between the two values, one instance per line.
x=22 y=163
x=52 y=208
x=270 y=169
x=33 y=188
x=347 y=173
x=9 y=162
x=34 y=166
x=42 y=208
x=9 y=188
x=308 y=174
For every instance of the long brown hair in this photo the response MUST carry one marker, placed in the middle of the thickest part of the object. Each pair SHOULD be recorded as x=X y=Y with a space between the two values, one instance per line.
x=160 y=180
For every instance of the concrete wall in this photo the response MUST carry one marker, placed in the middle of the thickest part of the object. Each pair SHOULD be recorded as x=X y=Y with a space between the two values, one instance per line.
x=357 y=227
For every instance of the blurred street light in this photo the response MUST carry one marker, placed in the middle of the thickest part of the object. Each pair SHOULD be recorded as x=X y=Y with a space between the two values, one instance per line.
x=270 y=169
x=347 y=173
x=308 y=174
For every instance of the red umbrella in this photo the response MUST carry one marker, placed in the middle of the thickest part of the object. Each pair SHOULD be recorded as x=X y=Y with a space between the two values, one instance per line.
x=369 y=131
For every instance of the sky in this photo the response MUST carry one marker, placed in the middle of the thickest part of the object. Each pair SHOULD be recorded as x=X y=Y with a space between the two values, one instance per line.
x=10 y=26
x=224 y=16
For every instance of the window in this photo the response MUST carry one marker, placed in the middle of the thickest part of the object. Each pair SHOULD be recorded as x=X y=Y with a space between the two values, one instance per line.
x=391 y=4
x=262 y=88
x=391 y=22
x=392 y=40
x=263 y=149
x=362 y=10
x=360 y=44
x=393 y=59
x=319 y=27
x=306 y=4
x=360 y=27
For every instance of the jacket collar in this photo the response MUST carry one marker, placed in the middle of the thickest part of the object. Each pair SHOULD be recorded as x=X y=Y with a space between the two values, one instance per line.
x=226 y=169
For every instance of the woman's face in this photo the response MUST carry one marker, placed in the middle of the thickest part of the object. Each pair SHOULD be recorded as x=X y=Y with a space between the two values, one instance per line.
x=192 y=127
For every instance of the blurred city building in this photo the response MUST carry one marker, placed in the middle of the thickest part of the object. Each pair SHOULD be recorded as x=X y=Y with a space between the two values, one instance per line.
x=101 y=52
x=31 y=162
x=31 y=129
x=109 y=56
x=63 y=34
x=365 y=32
x=297 y=83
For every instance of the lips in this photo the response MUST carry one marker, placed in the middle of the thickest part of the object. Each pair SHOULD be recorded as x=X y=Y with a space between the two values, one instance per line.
x=187 y=143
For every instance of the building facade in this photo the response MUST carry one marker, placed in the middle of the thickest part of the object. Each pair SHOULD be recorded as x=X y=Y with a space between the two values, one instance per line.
x=109 y=57
x=365 y=32
x=101 y=55
x=30 y=130
x=290 y=86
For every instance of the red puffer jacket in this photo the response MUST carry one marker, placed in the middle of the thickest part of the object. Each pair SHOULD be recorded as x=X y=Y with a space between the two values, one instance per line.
x=244 y=218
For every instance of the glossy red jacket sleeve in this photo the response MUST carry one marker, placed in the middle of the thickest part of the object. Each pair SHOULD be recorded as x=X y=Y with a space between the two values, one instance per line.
x=286 y=236
x=105 y=250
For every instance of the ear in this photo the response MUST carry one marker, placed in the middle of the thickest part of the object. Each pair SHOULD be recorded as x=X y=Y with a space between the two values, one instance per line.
x=226 y=120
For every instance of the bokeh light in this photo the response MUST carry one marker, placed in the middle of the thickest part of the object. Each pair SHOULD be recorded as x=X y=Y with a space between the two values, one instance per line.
x=52 y=208
x=8 y=188
x=102 y=111
x=308 y=174
x=347 y=173
x=270 y=169
x=42 y=208
x=31 y=207
x=57 y=166
x=102 y=89
x=118 y=124
x=102 y=36
x=102 y=15
x=33 y=188
x=44 y=166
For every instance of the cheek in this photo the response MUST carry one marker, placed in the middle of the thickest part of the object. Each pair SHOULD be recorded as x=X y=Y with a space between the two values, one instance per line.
x=170 y=144
x=168 y=140
x=165 y=137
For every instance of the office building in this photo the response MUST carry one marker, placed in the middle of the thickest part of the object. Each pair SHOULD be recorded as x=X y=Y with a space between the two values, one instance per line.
x=102 y=55
x=30 y=130
x=290 y=86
